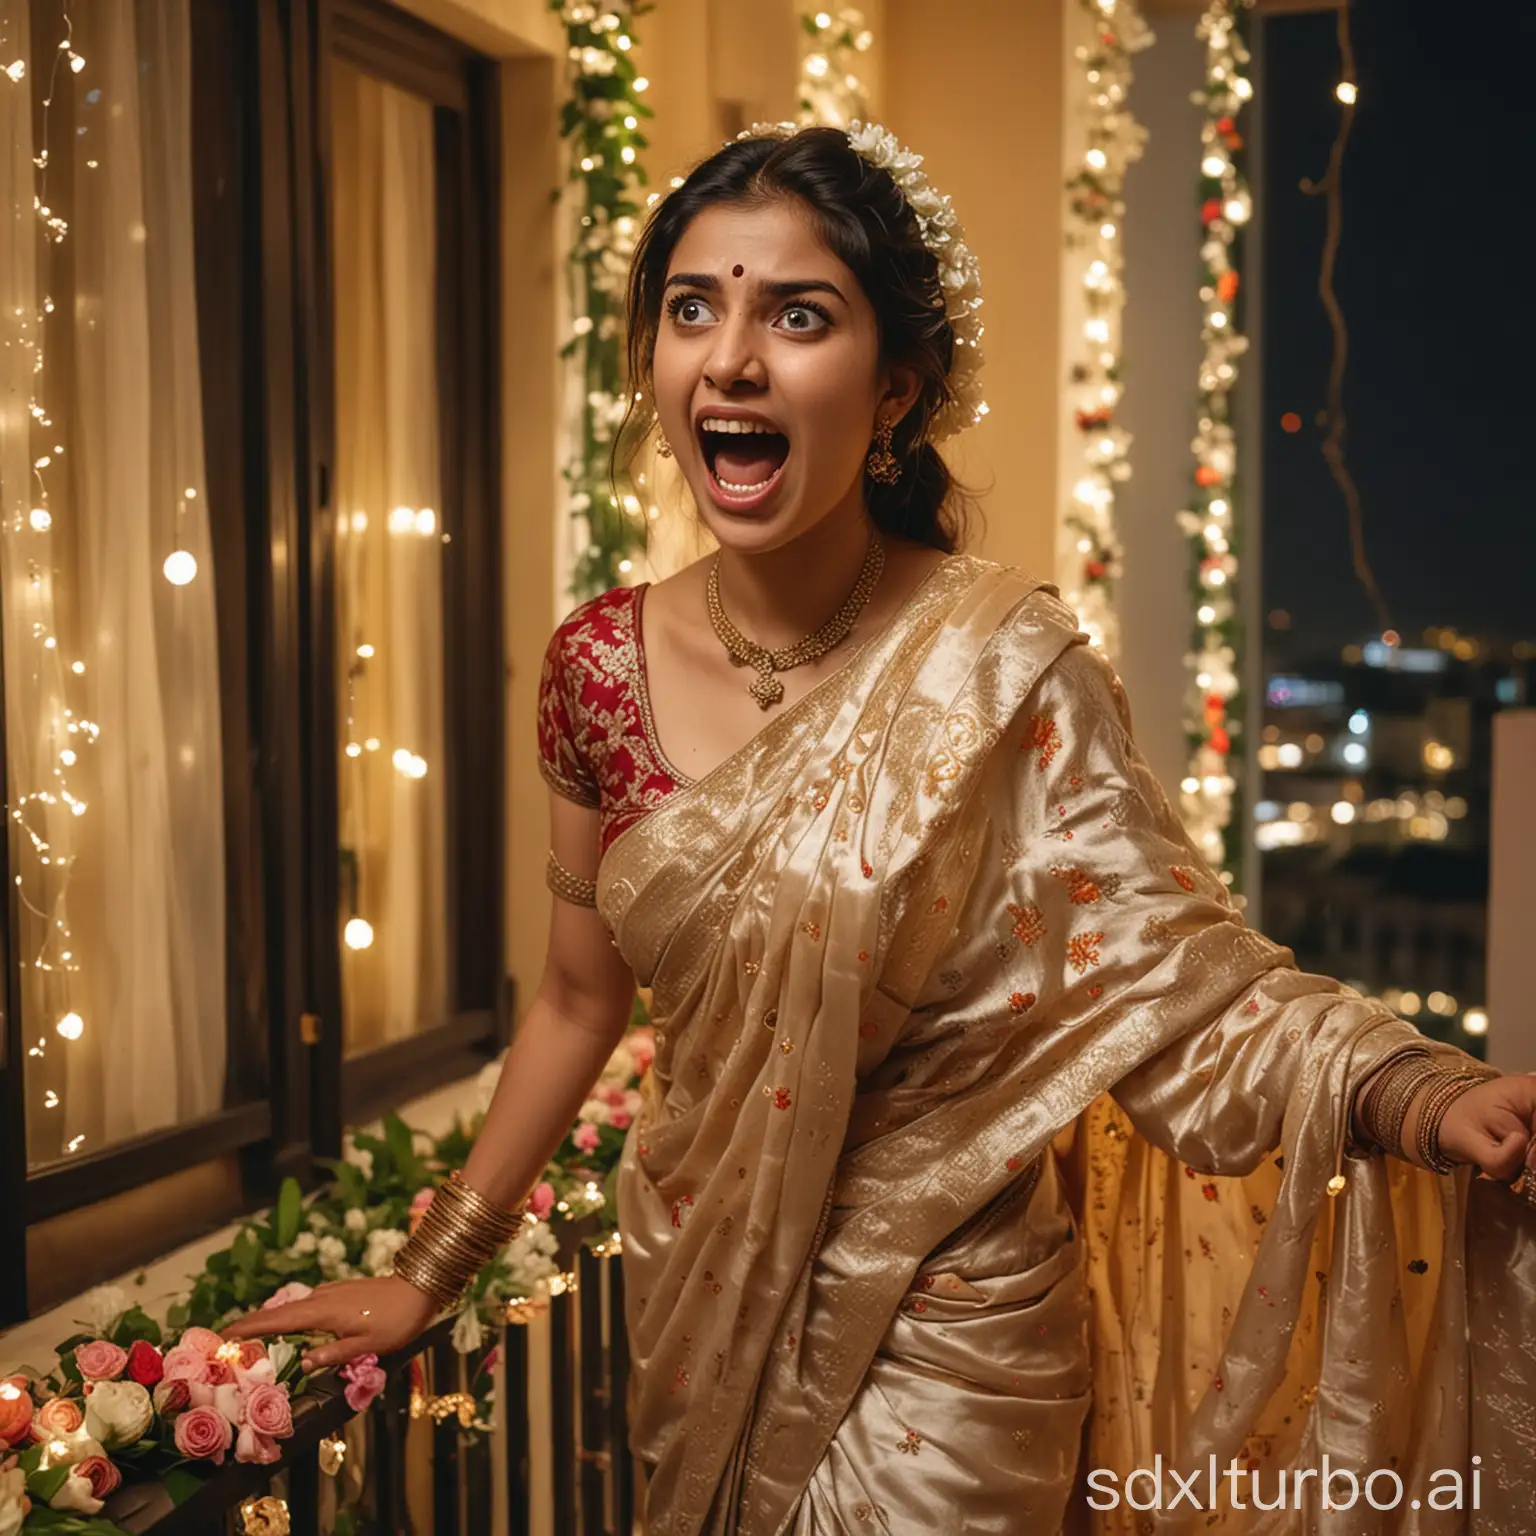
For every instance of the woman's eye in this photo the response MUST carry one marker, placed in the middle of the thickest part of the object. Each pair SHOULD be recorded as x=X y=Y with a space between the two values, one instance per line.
x=690 y=311
x=799 y=317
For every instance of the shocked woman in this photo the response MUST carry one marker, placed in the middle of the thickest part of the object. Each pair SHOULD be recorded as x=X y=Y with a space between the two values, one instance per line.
x=985 y=1146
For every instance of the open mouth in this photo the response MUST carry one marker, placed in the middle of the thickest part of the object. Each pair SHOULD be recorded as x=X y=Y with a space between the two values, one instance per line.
x=745 y=458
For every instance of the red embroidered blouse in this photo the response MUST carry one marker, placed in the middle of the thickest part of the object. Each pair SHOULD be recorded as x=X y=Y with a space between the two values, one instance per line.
x=597 y=740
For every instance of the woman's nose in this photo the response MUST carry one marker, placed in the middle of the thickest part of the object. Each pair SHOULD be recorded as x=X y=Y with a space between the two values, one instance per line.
x=734 y=358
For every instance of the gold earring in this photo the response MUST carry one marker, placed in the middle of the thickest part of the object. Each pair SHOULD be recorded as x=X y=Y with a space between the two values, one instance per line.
x=882 y=464
x=663 y=448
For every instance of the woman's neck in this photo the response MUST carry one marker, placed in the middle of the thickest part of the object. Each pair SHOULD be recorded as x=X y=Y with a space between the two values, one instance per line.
x=781 y=595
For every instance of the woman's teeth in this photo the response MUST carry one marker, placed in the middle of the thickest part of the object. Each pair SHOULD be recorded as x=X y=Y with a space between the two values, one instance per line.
x=742 y=490
x=732 y=424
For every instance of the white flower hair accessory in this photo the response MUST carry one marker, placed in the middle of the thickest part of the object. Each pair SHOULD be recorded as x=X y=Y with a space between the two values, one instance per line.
x=959 y=271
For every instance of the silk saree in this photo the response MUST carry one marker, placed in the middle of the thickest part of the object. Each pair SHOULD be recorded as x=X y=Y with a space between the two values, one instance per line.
x=985 y=1146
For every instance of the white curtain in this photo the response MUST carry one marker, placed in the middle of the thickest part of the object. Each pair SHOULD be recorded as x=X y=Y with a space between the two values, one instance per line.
x=111 y=670
x=390 y=561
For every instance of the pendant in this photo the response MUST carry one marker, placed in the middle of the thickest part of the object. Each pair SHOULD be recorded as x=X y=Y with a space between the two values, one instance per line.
x=767 y=690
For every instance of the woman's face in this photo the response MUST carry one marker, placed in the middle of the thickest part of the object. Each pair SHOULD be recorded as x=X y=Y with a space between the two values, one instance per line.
x=767 y=375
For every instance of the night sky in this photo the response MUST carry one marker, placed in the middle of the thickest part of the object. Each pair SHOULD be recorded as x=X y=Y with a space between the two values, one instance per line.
x=1438 y=285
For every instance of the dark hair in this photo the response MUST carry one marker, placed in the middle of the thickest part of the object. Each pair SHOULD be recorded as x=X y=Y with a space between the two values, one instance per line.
x=861 y=216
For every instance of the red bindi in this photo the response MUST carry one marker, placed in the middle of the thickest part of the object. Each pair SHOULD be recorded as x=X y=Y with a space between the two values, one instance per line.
x=737 y=270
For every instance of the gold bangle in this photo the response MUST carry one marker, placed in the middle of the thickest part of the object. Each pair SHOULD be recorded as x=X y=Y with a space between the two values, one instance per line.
x=571 y=888
x=1389 y=1094
x=459 y=1234
x=1437 y=1101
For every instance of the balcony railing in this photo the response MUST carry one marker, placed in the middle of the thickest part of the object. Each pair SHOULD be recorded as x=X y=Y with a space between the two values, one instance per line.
x=412 y=1463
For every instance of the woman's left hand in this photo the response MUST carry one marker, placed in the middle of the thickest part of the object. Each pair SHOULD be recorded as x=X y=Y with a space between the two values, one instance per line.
x=1491 y=1126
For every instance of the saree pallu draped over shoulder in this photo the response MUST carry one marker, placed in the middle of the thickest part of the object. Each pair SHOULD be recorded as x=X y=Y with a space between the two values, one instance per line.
x=937 y=913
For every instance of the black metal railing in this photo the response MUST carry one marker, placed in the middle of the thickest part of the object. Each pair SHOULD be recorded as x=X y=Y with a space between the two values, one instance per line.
x=408 y=1466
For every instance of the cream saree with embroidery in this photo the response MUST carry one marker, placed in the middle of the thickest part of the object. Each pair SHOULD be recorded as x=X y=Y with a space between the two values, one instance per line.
x=935 y=916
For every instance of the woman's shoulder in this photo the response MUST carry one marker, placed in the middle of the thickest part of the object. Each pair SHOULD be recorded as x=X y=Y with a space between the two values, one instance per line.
x=604 y=620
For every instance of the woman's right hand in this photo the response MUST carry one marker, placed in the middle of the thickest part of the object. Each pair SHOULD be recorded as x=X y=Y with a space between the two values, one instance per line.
x=377 y=1317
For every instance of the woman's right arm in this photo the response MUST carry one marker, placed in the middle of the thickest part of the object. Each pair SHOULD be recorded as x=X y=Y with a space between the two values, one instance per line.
x=578 y=1015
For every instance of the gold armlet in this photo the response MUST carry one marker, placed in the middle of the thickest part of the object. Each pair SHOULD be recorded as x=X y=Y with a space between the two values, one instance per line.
x=458 y=1236
x=569 y=887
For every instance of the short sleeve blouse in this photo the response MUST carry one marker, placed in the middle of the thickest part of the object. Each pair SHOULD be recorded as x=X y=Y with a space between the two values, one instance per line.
x=597 y=741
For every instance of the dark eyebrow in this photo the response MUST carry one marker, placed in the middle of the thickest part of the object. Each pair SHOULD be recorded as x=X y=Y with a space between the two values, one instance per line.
x=775 y=290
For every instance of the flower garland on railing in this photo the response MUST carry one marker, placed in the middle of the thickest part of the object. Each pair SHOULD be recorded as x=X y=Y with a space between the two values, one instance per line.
x=129 y=1401
x=1095 y=215
x=1215 y=701
x=601 y=123
x=831 y=90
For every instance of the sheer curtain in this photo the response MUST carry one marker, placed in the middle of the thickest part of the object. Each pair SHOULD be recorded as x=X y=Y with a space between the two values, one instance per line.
x=111 y=669
x=390 y=562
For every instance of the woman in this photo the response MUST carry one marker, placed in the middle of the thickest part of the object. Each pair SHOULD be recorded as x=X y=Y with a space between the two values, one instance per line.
x=866 y=816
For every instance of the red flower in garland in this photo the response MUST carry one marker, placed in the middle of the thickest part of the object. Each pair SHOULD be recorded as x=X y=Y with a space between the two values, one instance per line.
x=1207 y=476
x=1211 y=211
x=1095 y=570
x=1226 y=125
x=1089 y=421
x=1221 y=741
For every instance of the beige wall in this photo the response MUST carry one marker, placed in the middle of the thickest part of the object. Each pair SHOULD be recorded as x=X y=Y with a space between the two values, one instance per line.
x=975 y=86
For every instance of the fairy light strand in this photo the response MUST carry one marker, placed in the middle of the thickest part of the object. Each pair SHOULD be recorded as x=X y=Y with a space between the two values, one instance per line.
x=1214 y=699
x=601 y=124
x=1113 y=140
x=832 y=91
x=43 y=816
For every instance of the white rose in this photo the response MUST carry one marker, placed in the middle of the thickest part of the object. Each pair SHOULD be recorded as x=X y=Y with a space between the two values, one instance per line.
x=106 y=1304
x=280 y=1352
x=318 y=1221
x=13 y=1493
x=304 y=1243
x=118 y=1413
x=356 y=1220
x=379 y=1255
x=594 y=1110
x=468 y=1335
x=422 y=1144
x=75 y=1497
x=359 y=1157
x=333 y=1254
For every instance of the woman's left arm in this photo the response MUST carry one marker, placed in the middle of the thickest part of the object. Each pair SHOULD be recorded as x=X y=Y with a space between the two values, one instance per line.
x=1115 y=899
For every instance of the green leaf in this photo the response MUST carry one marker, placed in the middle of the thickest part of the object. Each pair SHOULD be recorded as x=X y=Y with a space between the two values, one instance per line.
x=401 y=1150
x=133 y=1325
x=43 y=1485
x=180 y=1483
x=246 y=1253
x=290 y=1212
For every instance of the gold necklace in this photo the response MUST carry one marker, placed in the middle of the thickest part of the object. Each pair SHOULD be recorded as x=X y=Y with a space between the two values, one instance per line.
x=766 y=688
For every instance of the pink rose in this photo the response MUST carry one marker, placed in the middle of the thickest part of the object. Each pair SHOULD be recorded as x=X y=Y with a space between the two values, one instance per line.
x=364 y=1381
x=585 y=1138
x=172 y=1396
x=619 y=1119
x=251 y=1350
x=15 y=1411
x=144 y=1363
x=104 y=1477
x=612 y=1096
x=58 y=1416
x=183 y=1364
x=251 y=1446
x=203 y=1434
x=642 y=1046
x=218 y=1373
x=204 y=1340
x=101 y=1361
x=295 y=1290
x=267 y=1411
x=542 y=1201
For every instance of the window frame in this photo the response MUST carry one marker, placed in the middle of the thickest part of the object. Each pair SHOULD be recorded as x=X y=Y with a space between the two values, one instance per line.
x=261 y=166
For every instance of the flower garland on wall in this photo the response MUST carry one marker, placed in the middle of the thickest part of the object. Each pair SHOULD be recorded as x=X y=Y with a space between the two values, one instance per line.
x=1095 y=213
x=601 y=123
x=831 y=91
x=1215 y=701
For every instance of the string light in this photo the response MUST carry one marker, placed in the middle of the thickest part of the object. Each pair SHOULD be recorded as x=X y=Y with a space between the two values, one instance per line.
x=1092 y=554
x=30 y=525
x=1214 y=707
x=602 y=119
x=358 y=933
x=831 y=91
x=180 y=568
